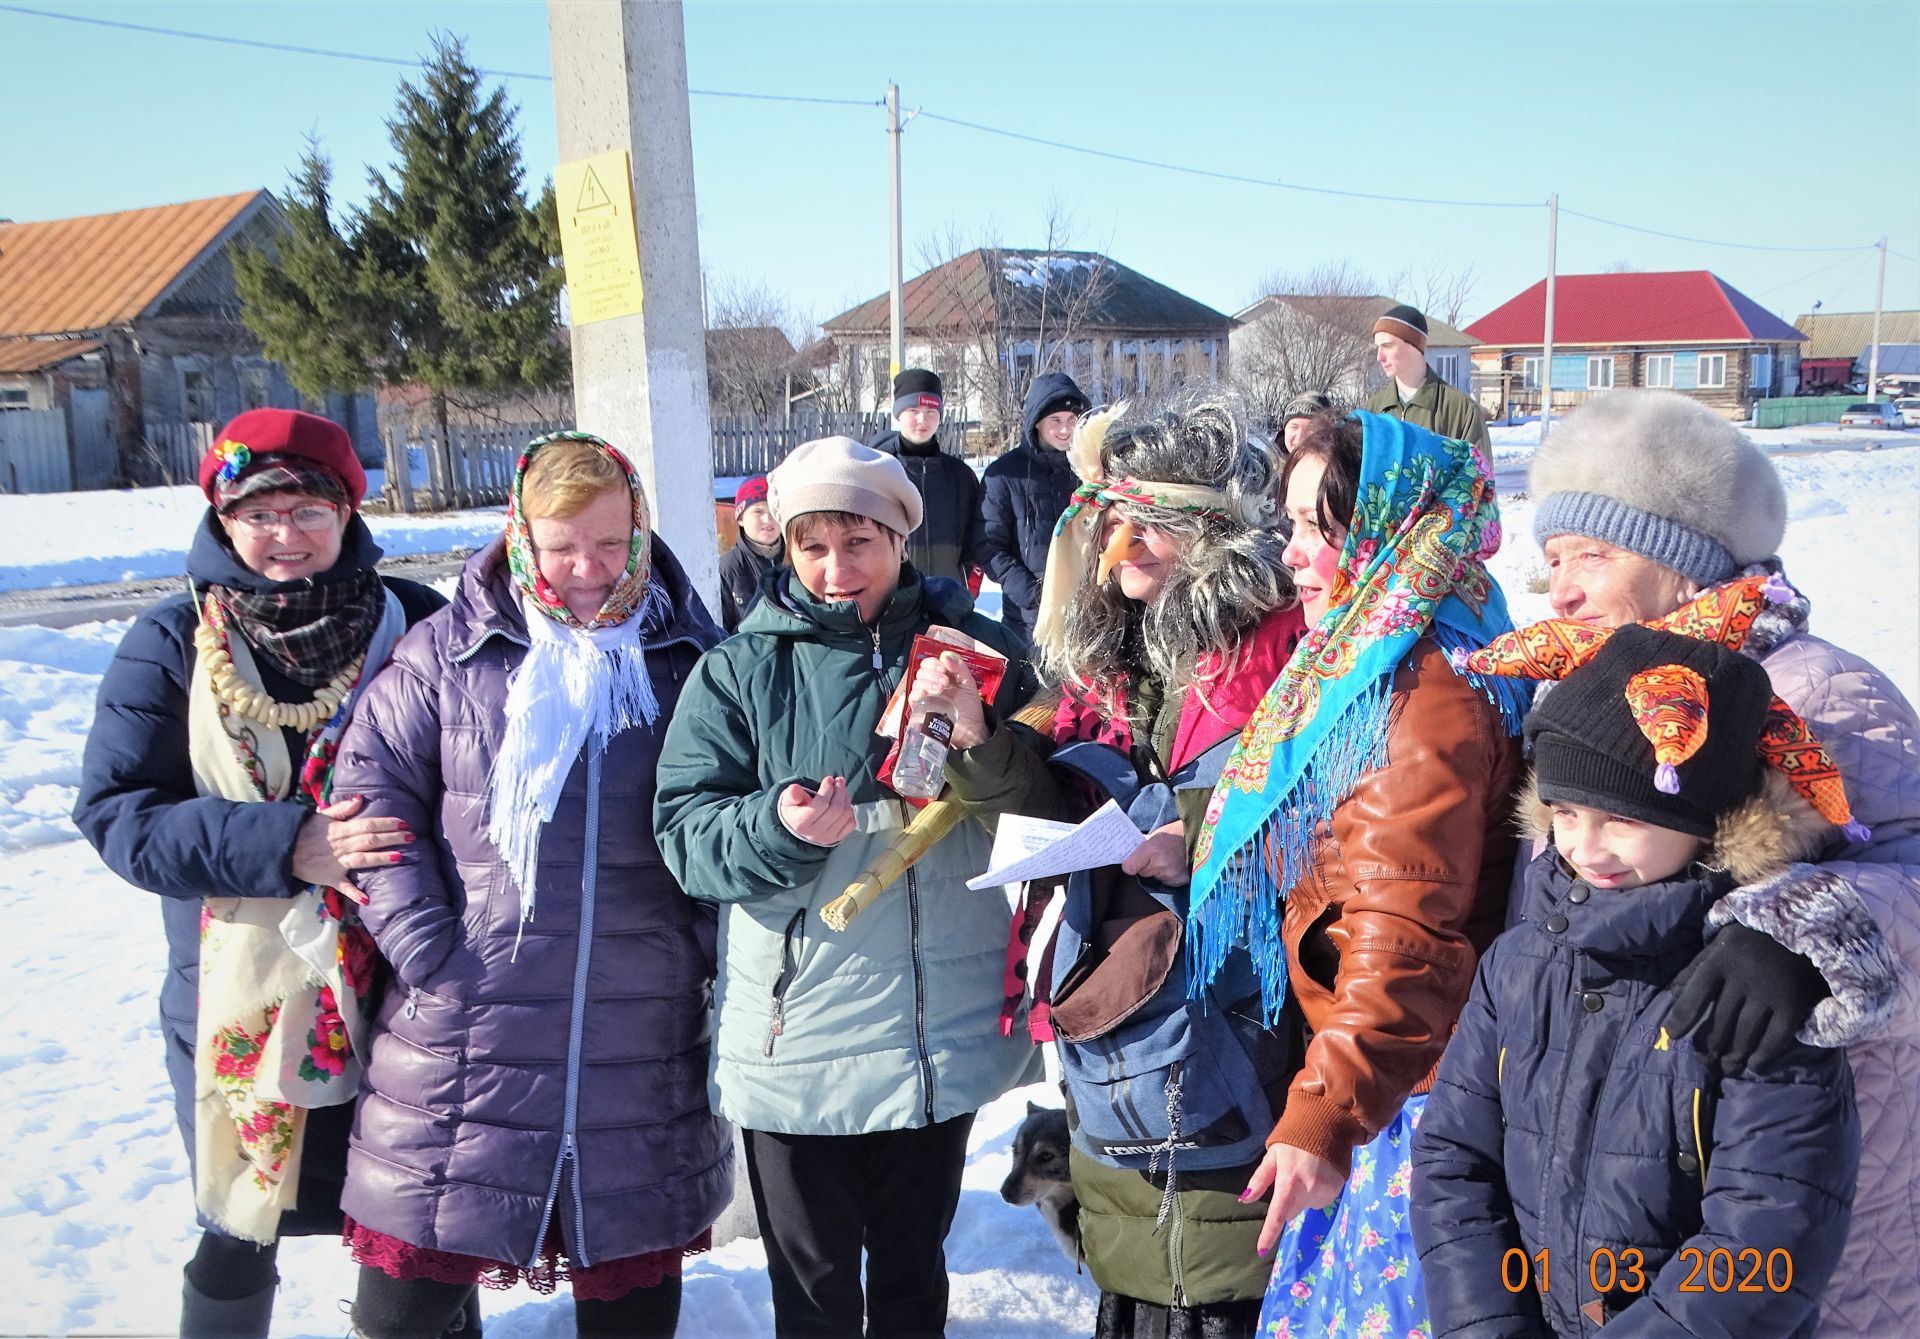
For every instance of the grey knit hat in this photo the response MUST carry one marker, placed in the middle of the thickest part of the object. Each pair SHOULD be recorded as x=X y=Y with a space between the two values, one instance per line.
x=1662 y=476
x=839 y=474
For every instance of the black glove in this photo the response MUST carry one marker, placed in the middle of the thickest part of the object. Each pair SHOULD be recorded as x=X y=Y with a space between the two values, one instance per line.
x=1754 y=993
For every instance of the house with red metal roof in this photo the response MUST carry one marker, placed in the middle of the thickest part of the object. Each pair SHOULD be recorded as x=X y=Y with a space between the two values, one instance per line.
x=128 y=324
x=1689 y=331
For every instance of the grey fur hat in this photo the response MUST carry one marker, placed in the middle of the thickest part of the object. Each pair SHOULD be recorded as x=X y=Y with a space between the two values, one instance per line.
x=1664 y=477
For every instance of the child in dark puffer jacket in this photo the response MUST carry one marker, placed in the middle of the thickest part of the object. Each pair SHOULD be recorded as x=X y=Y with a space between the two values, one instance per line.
x=1577 y=1165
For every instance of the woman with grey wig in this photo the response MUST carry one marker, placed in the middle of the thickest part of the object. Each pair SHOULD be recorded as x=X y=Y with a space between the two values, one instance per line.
x=1165 y=615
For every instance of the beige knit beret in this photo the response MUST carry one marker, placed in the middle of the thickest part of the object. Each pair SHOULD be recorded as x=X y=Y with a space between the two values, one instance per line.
x=839 y=474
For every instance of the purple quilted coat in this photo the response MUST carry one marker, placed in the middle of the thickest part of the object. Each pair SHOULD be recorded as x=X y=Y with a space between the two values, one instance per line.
x=567 y=1077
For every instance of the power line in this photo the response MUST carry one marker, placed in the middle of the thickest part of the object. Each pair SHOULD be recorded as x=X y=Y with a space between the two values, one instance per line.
x=401 y=61
x=1225 y=176
x=977 y=127
x=1701 y=241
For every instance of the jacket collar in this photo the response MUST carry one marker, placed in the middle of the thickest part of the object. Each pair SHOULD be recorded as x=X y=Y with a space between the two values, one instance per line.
x=211 y=561
x=787 y=610
x=1659 y=920
x=486 y=603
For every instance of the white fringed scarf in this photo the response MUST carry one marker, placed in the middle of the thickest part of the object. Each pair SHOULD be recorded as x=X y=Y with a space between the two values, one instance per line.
x=577 y=688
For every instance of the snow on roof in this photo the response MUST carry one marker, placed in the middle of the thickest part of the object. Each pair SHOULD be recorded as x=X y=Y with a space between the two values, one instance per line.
x=1033 y=269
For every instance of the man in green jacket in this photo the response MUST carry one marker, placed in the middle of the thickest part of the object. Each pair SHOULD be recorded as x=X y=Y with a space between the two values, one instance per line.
x=1414 y=391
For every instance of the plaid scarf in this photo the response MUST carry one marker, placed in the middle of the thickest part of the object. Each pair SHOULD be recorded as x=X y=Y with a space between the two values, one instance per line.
x=309 y=633
x=1412 y=565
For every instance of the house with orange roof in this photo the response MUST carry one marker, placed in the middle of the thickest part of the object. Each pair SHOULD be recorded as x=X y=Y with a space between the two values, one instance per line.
x=129 y=325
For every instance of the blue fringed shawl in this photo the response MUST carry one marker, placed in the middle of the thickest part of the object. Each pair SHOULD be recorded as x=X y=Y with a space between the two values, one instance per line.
x=1425 y=520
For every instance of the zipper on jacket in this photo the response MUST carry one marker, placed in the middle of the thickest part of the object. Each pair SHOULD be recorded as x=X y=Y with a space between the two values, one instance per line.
x=879 y=660
x=576 y=1029
x=919 y=991
x=789 y=968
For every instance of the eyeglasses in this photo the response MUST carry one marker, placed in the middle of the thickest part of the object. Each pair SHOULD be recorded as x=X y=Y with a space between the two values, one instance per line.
x=312 y=516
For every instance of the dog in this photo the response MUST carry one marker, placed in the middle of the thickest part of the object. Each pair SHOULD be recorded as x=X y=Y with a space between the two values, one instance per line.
x=1039 y=1176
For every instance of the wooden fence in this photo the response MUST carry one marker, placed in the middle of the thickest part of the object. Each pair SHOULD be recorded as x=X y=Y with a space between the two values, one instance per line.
x=33 y=451
x=173 y=450
x=475 y=469
x=745 y=445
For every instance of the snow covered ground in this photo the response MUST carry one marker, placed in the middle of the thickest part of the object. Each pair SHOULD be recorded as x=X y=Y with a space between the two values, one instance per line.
x=95 y=1208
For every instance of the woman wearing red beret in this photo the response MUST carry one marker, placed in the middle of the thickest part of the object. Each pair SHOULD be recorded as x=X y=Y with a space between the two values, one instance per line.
x=206 y=779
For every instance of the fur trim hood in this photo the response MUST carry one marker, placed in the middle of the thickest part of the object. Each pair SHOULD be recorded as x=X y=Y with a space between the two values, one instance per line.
x=1757 y=838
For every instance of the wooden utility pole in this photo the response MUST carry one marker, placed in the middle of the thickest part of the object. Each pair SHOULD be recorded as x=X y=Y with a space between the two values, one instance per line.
x=640 y=379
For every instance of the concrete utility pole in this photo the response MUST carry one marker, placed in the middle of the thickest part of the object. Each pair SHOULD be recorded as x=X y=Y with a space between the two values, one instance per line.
x=898 y=352
x=640 y=381
x=1546 y=349
x=1879 y=300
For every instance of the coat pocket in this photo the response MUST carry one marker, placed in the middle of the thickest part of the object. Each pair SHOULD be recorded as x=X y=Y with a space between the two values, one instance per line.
x=792 y=943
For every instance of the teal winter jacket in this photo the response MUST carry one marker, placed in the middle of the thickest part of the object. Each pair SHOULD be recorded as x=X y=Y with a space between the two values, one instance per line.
x=893 y=1023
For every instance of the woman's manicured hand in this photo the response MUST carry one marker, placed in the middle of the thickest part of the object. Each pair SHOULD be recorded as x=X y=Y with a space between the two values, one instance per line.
x=1162 y=857
x=1298 y=1180
x=332 y=843
x=823 y=817
x=946 y=675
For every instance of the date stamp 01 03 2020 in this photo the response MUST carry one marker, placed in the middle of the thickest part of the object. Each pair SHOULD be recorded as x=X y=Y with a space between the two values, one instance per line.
x=1608 y=1271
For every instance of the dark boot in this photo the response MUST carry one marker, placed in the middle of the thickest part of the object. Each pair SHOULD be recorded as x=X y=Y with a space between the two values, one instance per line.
x=466 y=1325
x=204 y=1317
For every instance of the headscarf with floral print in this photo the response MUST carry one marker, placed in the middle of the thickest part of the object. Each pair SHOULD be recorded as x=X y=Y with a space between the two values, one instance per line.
x=525 y=564
x=1412 y=565
x=580 y=683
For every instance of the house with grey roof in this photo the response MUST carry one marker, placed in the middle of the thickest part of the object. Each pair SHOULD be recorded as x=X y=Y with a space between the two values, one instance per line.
x=991 y=320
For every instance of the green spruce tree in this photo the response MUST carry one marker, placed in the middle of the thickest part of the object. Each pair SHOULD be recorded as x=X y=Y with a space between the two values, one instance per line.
x=450 y=248
x=448 y=277
x=303 y=295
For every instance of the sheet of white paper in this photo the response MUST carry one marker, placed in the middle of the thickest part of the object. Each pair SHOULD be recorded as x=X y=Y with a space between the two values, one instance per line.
x=1032 y=848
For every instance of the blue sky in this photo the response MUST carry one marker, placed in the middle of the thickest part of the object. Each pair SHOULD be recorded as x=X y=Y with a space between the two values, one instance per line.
x=1749 y=122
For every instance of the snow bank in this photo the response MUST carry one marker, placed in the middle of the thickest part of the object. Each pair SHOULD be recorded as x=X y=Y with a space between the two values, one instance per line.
x=65 y=539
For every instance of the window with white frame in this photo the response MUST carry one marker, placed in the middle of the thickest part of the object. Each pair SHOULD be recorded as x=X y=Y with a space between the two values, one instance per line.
x=1659 y=370
x=1446 y=366
x=1533 y=372
x=13 y=397
x=1600 y=372
x=1713 y=370
x=1760 y=372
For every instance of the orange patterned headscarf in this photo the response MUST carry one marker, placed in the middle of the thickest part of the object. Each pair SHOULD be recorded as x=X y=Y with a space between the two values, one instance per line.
x=1669 y=702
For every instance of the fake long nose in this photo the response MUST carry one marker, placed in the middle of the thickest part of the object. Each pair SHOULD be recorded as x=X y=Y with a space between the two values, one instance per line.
x=1119 y=545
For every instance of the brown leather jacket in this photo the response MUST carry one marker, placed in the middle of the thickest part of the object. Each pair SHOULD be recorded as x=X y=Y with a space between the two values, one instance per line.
x=1407 y=888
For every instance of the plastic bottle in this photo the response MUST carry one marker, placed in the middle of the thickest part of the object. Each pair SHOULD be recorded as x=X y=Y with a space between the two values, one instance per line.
x=921 y=769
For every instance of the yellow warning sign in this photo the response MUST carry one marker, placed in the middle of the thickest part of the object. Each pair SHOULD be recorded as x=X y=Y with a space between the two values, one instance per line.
x=598 y=240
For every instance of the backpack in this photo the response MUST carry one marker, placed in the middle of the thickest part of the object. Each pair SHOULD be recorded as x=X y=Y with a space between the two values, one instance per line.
x=1151 y=1077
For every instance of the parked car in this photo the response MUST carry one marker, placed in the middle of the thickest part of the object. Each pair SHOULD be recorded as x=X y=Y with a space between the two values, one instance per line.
x=1909 y=408
x=1868 y=415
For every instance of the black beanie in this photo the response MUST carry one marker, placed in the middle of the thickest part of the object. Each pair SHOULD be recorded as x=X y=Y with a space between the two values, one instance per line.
x=1589 y=750
x=1069 y=399
x=912 y=387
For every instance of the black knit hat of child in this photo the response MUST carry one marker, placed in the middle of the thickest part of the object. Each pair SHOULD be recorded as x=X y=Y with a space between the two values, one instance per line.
x=1589 y=750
